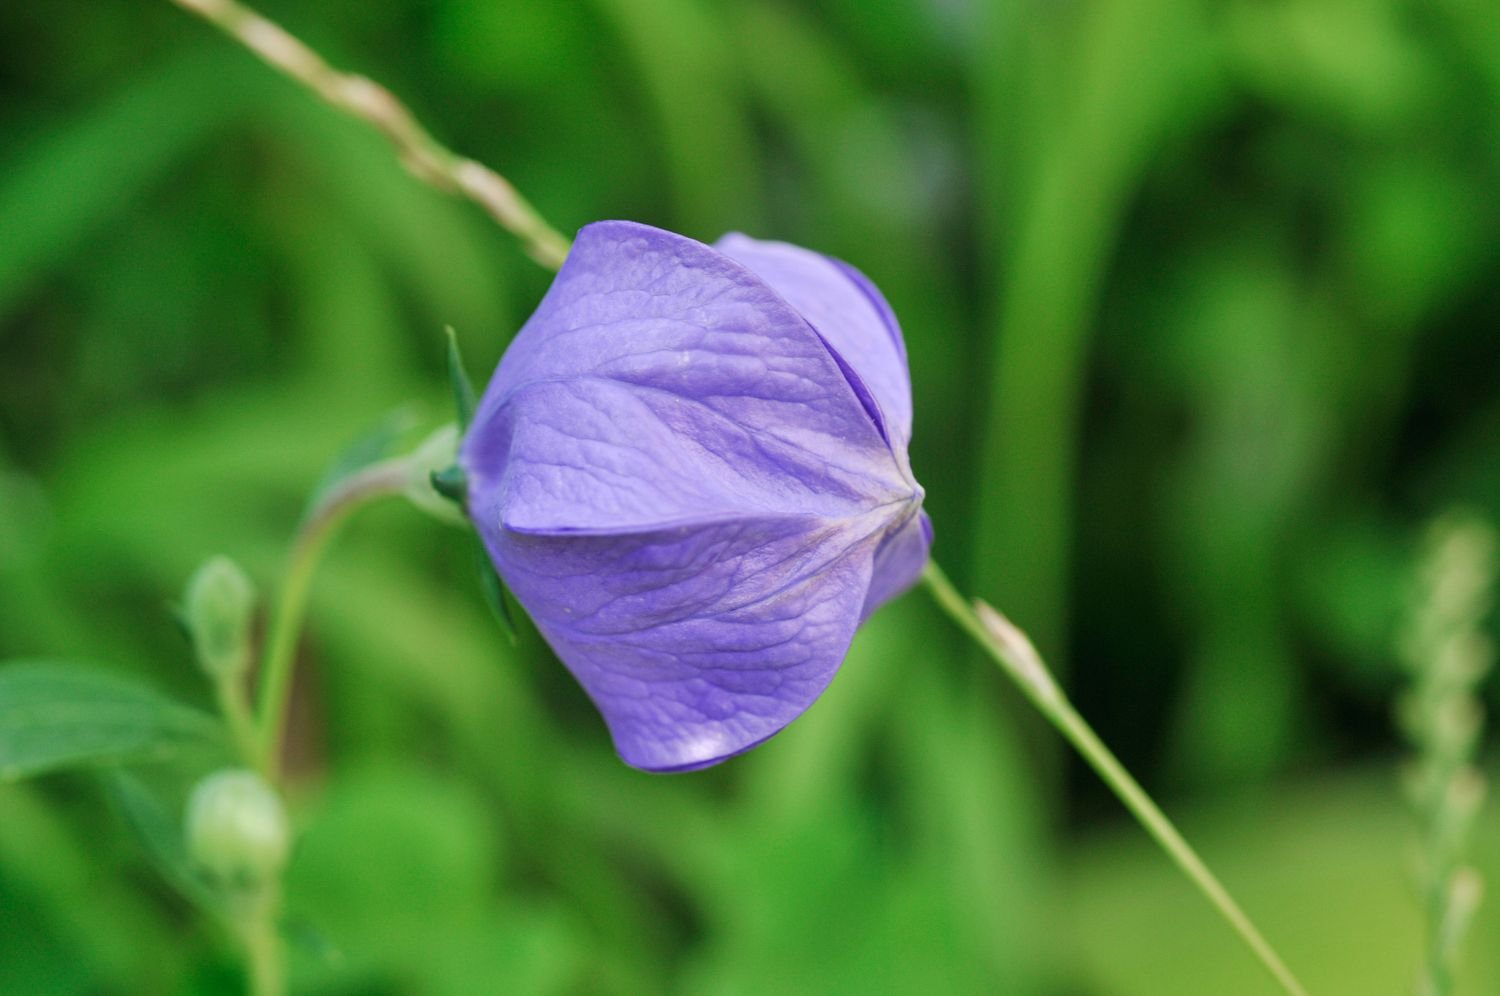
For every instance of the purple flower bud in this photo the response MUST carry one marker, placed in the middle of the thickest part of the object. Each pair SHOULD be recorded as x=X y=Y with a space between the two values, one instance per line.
x=691 y=469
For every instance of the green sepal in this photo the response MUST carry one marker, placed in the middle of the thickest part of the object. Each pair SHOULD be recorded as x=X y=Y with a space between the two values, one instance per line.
x=458 y=377
x=494 y=590
x=452 y=484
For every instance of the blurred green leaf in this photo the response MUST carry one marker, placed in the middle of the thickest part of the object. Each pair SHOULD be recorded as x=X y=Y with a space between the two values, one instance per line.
x=681 y=54
x=347 y=201
x=397 y=870
x=66 y=872
x=1351 y=583
x=32 y=958
x=95 y=165
x=159 y=829
x=1344 y=58
x=56 y=715
x=1097 y=94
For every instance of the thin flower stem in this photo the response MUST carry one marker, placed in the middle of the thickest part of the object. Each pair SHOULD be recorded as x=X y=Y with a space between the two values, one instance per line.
x=1019 y=660
x=265 y=959
x=235 y=706
x=368 y=101
x=376 y=481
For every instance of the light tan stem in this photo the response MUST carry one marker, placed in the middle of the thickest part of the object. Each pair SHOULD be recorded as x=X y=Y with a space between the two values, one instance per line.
x=363 y=98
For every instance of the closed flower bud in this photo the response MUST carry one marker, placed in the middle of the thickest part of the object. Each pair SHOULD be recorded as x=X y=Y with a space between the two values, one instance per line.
x=691 y=469
x=236 y=829
x=217 y=609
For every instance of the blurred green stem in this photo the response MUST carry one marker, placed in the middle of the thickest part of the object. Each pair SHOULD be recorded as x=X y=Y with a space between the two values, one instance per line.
x=235 y=706
x=258 y=930
x=1013 y=651
x=379 y=480
x=364 y=99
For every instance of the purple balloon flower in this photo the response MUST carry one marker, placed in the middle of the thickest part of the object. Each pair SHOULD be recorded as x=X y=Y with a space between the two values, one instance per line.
x=691 y=469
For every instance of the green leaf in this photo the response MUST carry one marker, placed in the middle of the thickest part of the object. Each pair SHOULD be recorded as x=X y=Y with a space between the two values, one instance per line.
x=160 y=832
x=71 y=180
x=56 y=715
x=463 y=388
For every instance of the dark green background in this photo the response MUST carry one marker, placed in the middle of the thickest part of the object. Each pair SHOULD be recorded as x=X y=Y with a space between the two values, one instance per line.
x=1202 y=300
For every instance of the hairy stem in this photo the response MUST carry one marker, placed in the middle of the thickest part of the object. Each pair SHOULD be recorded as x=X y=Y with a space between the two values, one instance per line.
x=368 y=101
x=1013 y=651
x=376 y=481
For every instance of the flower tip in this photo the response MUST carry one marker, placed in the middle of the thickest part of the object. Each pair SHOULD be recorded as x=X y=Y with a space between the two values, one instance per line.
x=707 y=751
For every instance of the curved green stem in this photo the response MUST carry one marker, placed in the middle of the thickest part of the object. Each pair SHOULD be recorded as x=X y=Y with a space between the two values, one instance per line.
x=376 y=481
x=1019 y=660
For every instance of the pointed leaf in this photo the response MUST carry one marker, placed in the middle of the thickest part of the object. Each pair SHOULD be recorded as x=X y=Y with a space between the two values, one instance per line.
x=56 y=715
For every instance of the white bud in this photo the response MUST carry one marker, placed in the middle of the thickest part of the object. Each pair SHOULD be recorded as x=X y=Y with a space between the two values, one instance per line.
x=217 y=608
x=236 y=829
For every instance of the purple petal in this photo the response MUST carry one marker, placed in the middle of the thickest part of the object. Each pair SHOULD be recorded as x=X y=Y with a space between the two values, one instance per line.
x=899 y=562
x=847 y=311
x=660 y=382
x=701 y=642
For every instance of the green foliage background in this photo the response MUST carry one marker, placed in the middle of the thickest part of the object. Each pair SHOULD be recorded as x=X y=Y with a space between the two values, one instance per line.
x=1202 y=302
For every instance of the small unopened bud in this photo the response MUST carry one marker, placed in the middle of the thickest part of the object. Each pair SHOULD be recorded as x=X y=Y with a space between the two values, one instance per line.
x=217 y=608
x=237 y=830
x=1026 y=664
